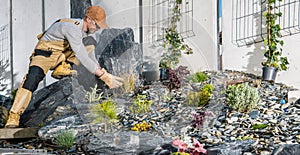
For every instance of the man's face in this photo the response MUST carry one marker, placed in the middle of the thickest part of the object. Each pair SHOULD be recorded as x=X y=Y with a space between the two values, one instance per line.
x=92 y=26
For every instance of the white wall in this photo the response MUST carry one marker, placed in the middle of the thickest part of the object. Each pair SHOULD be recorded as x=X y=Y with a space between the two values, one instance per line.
x=249 y=58
x=27 y=24
x=203 y=43
x=121 y=14
x=4 y=12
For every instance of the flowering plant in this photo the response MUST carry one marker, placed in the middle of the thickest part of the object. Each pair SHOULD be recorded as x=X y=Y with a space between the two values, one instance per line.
x=195 y=149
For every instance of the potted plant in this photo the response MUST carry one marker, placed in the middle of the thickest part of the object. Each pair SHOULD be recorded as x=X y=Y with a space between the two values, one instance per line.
x=273 y=52
x=173 y=43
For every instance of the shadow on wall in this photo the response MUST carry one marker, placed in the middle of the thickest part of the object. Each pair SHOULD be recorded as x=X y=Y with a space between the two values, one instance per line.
x=204 y=55
x=256 y=57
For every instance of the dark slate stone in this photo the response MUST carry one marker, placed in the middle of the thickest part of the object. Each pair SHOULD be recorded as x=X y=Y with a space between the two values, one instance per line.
x=123 y=142
x=3 y=115
x=232 y=148
x=5 y=101
x=78 y=8
x=45 y=101
x=117 y=52
x=165 y=149
x=254 y=114
x=288 y=149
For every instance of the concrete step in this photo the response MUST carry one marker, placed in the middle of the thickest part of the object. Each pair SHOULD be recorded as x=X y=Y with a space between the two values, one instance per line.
x=11 y=133
x=7 y=151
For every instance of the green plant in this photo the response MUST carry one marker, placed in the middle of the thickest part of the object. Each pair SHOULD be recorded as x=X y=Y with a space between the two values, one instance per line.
x=65 y=139
x=198 y=77
x=129 y=82
x=94 y=95
x=173 y=42
x=259 y=126
x=201 y=97
x=104 y=111
x=273 y=42
x=242 y=97
x=141 y=104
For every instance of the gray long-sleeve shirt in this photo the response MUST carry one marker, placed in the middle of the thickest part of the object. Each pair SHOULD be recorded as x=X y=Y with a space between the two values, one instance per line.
x=60 y=31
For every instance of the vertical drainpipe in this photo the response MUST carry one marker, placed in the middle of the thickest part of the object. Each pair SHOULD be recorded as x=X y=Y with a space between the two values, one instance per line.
x=43 y=29
x=141 y=29
x=219 y=54
x=11 y=44
x=141 y=21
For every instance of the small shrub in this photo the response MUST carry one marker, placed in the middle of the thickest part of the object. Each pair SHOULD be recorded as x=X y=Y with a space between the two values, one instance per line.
x=174 y=82
x=65 y=139
x=198 y=77
x=94 y=95
x=129 y=83
x=106 y=110
x=200 y=98
x=242 y=97
x=199 y=118
x=182 y=72
x=141 y=104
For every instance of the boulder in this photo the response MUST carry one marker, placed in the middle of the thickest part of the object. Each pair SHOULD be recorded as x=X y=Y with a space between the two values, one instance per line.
x=45 y=101
x=117 y=52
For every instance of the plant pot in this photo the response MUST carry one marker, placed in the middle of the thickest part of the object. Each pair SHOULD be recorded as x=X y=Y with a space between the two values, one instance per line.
x=269 y=74
x=150 y=76
x=164 y=74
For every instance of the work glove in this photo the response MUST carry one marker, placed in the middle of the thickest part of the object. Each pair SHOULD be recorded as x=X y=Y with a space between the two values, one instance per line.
x=110 y=80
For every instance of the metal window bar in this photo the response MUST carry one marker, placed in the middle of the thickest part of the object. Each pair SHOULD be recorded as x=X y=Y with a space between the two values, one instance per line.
x=4 y=59
x=249 y=23
x=161 y=13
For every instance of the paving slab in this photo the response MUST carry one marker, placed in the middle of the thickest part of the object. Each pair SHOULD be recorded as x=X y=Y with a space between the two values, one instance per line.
x=6 y=151
x=12 y=133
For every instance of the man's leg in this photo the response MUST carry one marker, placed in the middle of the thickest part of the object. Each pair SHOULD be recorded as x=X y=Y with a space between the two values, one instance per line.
x=29 y=85
x=40 y=63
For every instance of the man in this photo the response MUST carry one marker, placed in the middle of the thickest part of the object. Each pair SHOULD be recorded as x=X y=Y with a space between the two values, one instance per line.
x=61 y=44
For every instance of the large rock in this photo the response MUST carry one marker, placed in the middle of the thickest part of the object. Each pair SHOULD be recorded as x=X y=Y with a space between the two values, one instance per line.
x=123 y=142
x=45 y=101
x=117 y=52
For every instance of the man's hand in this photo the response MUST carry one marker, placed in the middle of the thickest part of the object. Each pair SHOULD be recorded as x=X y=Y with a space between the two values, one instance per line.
x=110 y=80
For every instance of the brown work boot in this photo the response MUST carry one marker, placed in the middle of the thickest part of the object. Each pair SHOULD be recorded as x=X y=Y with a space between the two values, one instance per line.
x=63 y=70
x=13 y=120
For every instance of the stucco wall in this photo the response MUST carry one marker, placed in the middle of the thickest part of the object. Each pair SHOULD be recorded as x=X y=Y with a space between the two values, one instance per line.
x=27 y=24
x=203 y=42
x=249 y=58
x=4 y=12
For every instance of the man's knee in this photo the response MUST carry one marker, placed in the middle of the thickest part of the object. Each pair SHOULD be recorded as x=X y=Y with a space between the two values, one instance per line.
x=33 y=78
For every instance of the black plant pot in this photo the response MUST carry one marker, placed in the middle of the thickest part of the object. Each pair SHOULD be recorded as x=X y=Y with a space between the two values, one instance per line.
x=269 y=74
x=150 y=76
x=164 y=74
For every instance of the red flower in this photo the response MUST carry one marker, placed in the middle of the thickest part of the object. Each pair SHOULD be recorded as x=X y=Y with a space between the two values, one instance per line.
x=180 y=144
x=198 y=148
